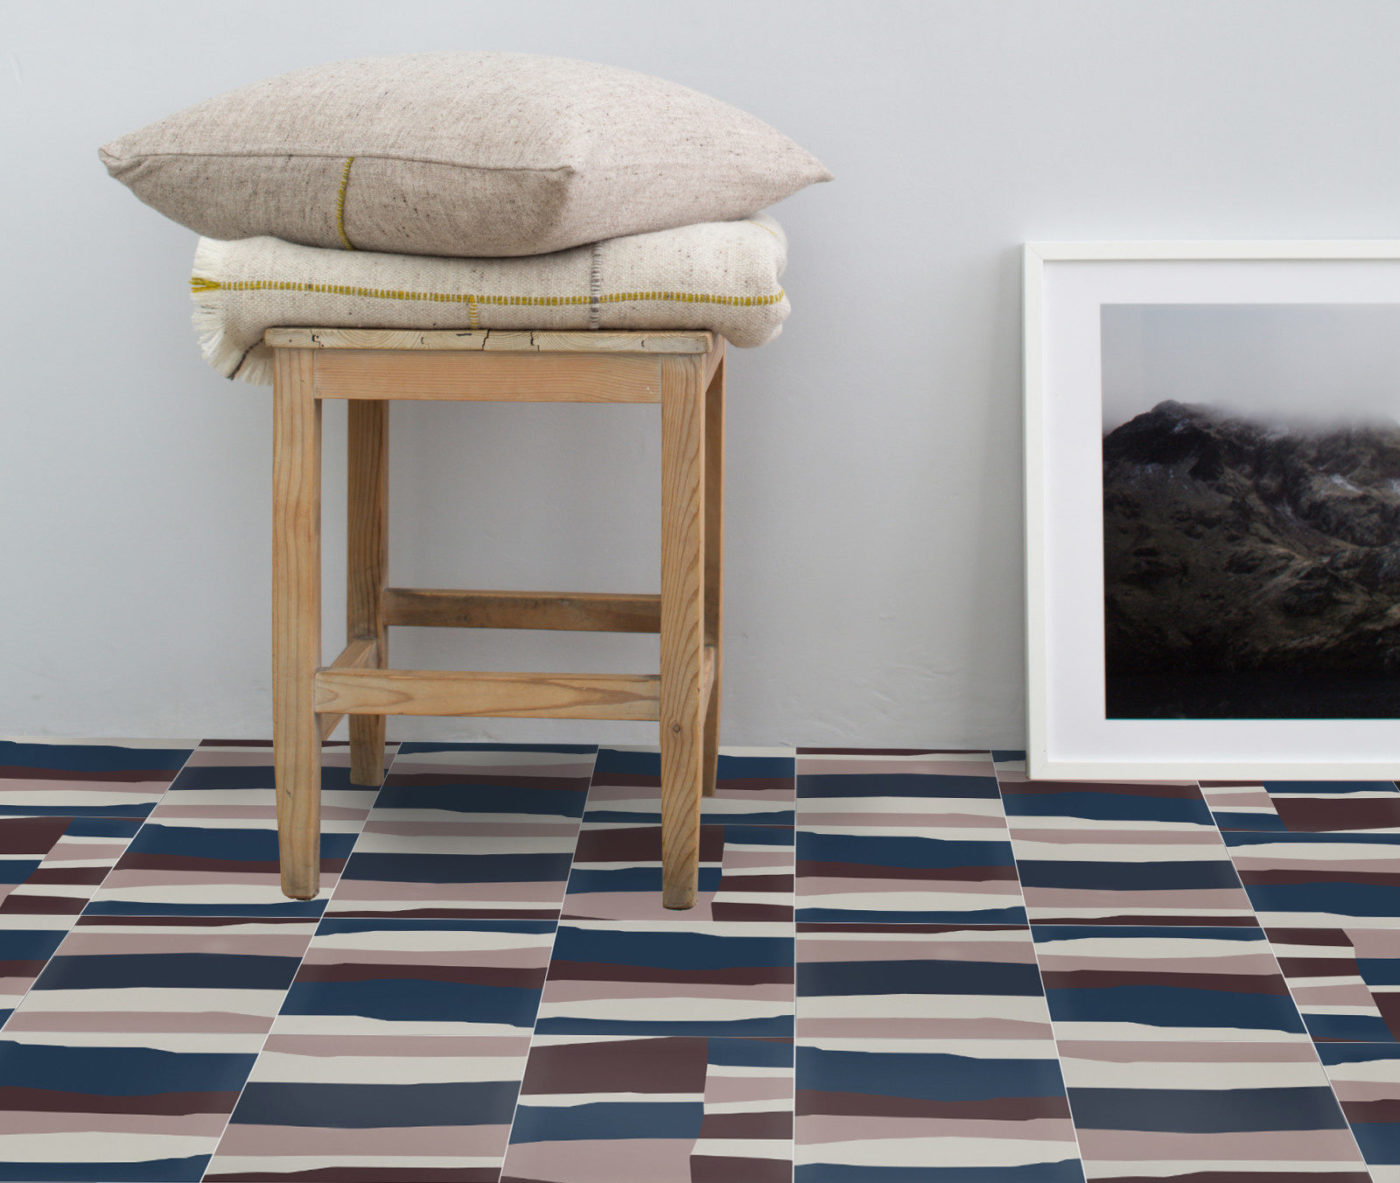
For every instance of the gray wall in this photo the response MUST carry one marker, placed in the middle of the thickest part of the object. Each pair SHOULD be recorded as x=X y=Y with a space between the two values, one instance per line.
x=874 y=592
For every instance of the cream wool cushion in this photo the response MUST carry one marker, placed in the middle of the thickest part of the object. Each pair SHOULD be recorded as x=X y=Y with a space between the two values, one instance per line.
x=469 y=154
x=721 y=276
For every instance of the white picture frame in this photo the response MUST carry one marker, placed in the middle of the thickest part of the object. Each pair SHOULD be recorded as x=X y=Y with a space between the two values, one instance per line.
x=1066 y=286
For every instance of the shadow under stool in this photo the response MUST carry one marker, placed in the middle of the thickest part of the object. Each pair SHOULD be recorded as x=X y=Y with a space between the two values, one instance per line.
x=683 y=371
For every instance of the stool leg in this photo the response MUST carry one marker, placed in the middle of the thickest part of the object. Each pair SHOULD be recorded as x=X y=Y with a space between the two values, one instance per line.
x=367 y=565
x=714 y=563
x=296 y=619
x=682 y=625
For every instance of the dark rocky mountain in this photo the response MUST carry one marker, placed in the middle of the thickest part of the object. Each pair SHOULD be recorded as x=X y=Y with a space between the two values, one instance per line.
x=1244 y=549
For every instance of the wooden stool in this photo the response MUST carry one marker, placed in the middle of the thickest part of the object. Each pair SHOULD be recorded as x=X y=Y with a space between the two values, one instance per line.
x=683 y=371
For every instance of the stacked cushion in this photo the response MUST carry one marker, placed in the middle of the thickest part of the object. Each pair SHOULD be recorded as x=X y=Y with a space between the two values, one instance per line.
x=468 y=154
x=471 y=191
x=721 y=276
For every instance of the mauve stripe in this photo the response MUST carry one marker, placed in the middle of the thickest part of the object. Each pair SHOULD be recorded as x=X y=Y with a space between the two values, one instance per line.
x=811 y=951
x=624 y=987
x=656 y=1160
x=176 y=1122
x=412 y=1046
x=525 y=891
x=32 y=1017
x=729 y=975
x=720 y=1090
x=380 y=824
x=815 y=1129
x=632 y=905
x=1329 y=1146
x=934 y=888
x=378 y=1144
x=810 y=1102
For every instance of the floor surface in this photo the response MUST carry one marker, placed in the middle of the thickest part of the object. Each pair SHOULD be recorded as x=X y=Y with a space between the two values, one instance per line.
x=905 y=967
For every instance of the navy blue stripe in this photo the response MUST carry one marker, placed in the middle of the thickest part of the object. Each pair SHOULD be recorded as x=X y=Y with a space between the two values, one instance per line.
x=1207 y=1111
x=241 y=971
x=103 y=827
x=159 y=1170
x=1339 y=898
x=929 y=1077
x=611 y=1120
x=671 y=950
x=1175 y=1006
x=119 y=1071
x=414 y=999
x=1350 y=838
x=22 y=944
x=305 y=908
x=1117 y=804
x=139 y=810
x=750 y=1053
x=15 y=870
x=1379 y=1142
x=368 y=1106
x=1358 y=1053
x=247 y=845
x=901 y=852
x=1286 y=787
x=1046 y=934
x=824 y=978
x=96 y=758
x=635 y=878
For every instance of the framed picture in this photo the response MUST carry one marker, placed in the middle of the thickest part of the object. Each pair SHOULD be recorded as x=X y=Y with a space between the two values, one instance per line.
x=1213 y=510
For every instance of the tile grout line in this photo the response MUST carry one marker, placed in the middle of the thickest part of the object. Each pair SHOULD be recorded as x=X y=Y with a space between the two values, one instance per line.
x=98 y=887
x=1040 y=977
x=1287 y=985
x=558 y=921
x=316 y=924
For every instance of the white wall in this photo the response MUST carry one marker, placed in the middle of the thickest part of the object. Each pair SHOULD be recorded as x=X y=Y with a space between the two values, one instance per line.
x=874 y=548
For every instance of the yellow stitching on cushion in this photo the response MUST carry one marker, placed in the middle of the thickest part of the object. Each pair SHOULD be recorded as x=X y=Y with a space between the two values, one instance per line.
x=761 y=226
x=340 y=204
x=199 y=283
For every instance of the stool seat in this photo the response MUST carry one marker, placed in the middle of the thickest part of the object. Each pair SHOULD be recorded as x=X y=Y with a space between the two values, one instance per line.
x=682 y=371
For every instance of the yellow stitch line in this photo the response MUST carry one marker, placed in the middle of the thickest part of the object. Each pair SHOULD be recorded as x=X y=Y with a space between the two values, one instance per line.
x=340 y=204
x=199 y=283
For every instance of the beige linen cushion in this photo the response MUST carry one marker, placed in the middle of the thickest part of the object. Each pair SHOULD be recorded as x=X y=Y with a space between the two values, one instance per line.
x=472 y=154
x=721 y=276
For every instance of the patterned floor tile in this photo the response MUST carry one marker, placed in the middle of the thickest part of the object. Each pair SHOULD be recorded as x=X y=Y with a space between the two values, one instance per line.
x=1346 y=981
x=1164 y=984
x=746 y=873
x=24 y=951
x=753 y=787
x=638 y=978
x=111 y=778
x=396 y=1057
x=210 y=847
x=1304 y=806
x=482 y=831
x=80 y=853
x=174 y=982
x=87 y=1113
x=679 y=1109
x=956 y=1111
x=918 y=981
x=1209 y=1112
x=1320 y=880
x=909 y=838
x=1101 y=853
x=1366 y=1079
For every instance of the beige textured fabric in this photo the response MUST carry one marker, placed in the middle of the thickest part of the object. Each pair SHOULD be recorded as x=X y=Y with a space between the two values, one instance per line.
x=467 y=154
x=721 y=276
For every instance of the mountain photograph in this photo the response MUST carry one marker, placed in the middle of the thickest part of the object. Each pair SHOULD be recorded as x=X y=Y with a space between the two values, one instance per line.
x=1251 y=512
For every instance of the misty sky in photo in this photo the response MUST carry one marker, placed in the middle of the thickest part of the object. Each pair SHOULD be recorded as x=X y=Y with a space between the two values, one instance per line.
x=1282 y=362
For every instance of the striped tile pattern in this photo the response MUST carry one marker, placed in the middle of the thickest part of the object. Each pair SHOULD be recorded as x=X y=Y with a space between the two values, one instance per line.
x=903 y=838
x=210 y=847
x=904 y=966
x=469 y=831
x=397 y=1055
x=1097 y=853
x=1302 y=807
x=111 y=778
